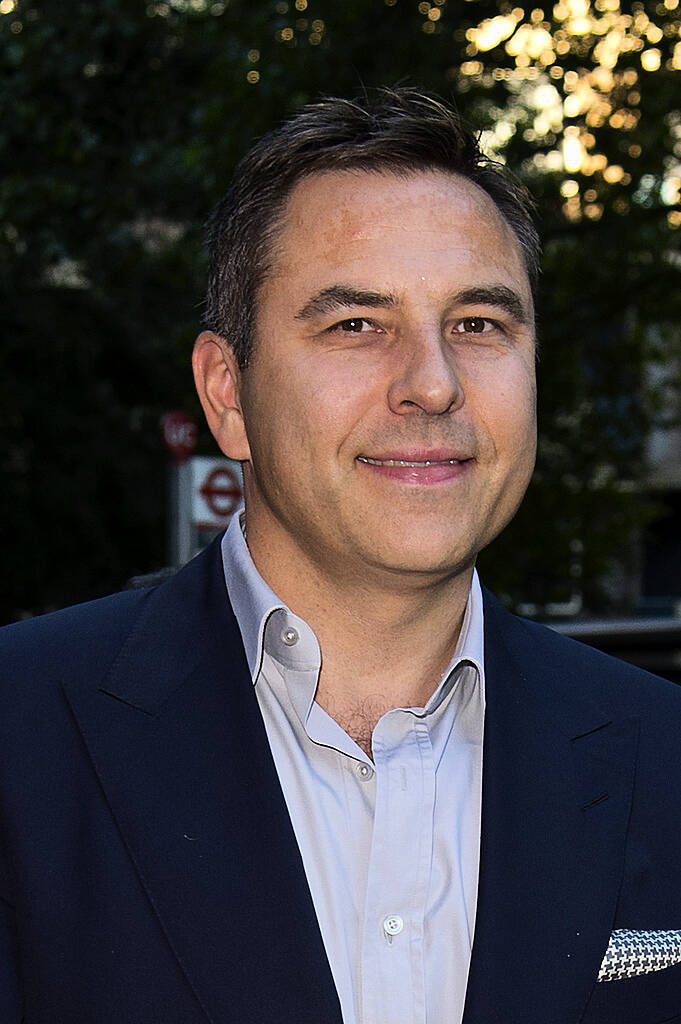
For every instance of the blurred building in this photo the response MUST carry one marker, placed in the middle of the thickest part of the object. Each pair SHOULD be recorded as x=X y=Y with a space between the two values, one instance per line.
x=660 y=587
x=651 y=638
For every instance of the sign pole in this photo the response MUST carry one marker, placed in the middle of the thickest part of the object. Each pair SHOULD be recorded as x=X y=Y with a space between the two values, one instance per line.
x=180 y=435
x=173 y=513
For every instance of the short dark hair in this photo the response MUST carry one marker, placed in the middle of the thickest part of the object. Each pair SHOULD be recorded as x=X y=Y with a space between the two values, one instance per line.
x=398 y=130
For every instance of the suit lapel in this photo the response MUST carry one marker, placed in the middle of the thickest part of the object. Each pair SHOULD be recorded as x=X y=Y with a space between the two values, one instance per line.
x=557 y=782
x=177 y=740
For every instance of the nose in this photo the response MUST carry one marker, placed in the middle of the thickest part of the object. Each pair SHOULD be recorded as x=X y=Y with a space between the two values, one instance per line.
x=427 y=381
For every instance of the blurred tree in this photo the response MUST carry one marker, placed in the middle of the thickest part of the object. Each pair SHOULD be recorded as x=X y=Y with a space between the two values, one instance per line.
x=120 y=124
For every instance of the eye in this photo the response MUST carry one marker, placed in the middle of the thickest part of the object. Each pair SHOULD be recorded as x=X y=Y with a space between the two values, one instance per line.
x=356 y=325
x=475 y=325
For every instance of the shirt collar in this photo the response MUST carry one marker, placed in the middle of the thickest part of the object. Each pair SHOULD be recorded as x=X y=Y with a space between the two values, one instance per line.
x=254 y=602
x=470 y=647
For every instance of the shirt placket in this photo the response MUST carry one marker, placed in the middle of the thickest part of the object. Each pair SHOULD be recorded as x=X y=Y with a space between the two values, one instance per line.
x=392 y=963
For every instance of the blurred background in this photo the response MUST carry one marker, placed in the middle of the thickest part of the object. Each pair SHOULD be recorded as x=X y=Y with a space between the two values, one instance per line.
x=120 y=123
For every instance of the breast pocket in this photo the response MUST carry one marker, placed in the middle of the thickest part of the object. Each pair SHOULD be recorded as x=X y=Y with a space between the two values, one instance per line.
x=653 y=998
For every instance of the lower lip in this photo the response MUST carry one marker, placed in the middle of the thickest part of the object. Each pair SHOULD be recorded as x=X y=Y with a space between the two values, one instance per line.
x=436 y=473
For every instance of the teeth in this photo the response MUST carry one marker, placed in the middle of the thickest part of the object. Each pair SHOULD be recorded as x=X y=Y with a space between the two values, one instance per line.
x=404 y=462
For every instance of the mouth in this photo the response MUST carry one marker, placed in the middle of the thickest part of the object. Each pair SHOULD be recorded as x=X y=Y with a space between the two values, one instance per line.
x=418 y=468
x=411 y=462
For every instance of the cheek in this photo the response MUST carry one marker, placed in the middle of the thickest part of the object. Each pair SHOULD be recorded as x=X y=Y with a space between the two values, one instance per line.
x=522 y=439
x=507 y=412
x=303 y=414
x=337 y=392
x=517 y=427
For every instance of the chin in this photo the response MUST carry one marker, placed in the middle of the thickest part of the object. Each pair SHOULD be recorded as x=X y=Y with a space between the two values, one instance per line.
x=427 y=562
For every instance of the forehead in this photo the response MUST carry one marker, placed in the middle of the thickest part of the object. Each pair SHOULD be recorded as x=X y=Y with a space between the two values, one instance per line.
x=404 y=227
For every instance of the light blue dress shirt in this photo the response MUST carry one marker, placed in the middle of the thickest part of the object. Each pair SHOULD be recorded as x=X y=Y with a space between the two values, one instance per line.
x=390 y=848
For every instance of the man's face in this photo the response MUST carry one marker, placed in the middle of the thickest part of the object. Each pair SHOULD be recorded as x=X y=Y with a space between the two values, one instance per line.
x=389 y=406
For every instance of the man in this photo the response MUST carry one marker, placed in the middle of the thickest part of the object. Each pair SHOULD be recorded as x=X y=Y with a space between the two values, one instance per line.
x=259 y=792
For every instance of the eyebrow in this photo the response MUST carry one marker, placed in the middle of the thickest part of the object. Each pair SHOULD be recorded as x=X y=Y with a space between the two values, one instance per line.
x=340 y=296
x=495 y=295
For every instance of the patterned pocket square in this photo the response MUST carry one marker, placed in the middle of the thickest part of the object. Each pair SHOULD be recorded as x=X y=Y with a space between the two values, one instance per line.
x=630 y=953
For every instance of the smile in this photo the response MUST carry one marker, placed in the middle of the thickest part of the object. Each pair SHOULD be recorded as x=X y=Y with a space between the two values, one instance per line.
x=408 y=463
x=442 y=468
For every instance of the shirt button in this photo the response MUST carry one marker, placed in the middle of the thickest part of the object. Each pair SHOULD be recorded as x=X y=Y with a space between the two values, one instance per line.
x=393 y=925
x=290 y=636
x=365 y=772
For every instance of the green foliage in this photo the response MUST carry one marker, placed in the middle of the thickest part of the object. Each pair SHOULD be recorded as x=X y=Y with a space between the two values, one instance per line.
x=120 y=123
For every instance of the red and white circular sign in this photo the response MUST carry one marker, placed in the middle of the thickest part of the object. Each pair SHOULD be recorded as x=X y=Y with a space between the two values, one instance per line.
x=221 y=491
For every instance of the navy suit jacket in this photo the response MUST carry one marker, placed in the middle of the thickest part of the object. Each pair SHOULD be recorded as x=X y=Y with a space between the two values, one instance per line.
x=149 y=873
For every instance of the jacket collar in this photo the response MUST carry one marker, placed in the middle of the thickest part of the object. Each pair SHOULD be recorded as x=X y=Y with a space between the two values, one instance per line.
x=178 y=743
x=557 y=781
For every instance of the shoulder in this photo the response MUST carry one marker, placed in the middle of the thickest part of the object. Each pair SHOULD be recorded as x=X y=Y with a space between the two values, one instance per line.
x=587 y=672
x=79 y=640
x=162 y=627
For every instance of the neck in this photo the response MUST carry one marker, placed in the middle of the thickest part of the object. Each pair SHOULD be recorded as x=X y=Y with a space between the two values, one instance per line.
x=386 y=638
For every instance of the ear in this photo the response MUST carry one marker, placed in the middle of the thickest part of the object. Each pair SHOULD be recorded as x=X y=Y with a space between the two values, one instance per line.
x=218 y=380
